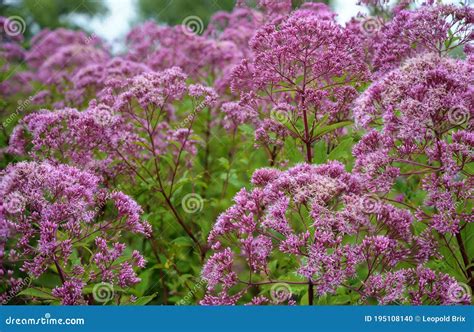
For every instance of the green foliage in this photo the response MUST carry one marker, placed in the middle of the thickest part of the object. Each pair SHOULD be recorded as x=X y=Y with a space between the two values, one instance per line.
x=174 y=12
x=40 y=14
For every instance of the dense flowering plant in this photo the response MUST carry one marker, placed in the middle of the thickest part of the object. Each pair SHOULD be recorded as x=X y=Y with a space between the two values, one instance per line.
x=306 y=69
x=407 y=34
x=277 y=155
x=92 y=140
x=316 y=226
x=50 y=213
x=54 y=57
x=426 y=107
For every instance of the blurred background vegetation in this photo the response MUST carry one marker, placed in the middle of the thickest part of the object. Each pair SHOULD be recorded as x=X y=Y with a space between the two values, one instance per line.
x=173 y=11
x=39 y=14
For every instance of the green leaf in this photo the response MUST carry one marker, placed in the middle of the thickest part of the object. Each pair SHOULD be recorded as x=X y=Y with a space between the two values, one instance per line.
x=247 y=130
x=320 y=155
x=322 y=122
x=468 y=239
x=291 y=151
x=146 y=278
x=320 y=131
x=224 y=163
x=469 y=168
x=341 y=299
x=144 y=300
x=182 y=241
x=304 y=300
x=343 y=150
x=35 y=292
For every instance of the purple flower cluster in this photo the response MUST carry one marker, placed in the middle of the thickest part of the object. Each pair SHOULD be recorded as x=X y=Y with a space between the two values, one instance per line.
x=304 y=69
x=427 y=110
x=430 y=28
x=320 y=222
x=318 y=227
x=50 y=212
x=77 y=138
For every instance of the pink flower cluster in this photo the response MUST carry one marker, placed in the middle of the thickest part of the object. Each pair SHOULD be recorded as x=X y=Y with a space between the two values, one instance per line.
x=419 y=115
x=426 y=29
x=92 y=140
x=51 y=212
x=427 y=110
x=323 y=227
x=105 y=137
x=304 y=69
